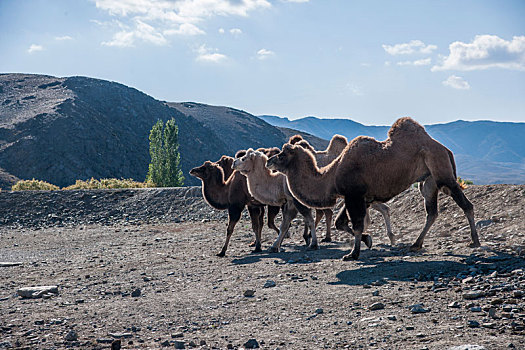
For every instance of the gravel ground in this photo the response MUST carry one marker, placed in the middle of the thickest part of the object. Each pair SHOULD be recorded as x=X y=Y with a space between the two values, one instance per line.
x=137 y=268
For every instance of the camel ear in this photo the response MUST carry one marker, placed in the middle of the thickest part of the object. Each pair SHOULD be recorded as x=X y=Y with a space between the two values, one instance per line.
x=240 y=153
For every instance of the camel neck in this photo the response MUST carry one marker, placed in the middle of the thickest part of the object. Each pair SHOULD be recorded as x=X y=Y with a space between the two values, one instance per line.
x=215 y=193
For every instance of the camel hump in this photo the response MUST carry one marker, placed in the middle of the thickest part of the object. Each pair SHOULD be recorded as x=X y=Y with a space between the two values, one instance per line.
x=405 y=126
x=295 y=138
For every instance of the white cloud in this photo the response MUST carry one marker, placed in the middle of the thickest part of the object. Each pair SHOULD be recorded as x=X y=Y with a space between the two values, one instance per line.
x=413 y=47
x=421 y=62
x=297 y=1
x=121 y=39
x=185 y=29
x=456 y=82
x=484 y=52
x=206 y=54
x=263 y=54
x=35 y=48
x=221 y=30
x=235 y=31
x=140 y=31
x=63 y=38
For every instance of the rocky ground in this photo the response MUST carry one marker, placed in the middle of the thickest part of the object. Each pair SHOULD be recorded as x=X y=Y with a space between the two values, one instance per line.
x=137 y=269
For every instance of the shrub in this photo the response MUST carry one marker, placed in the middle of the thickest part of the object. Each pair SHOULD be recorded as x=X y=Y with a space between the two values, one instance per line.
x=463 y=183
x=33 y=185
x=93 y=184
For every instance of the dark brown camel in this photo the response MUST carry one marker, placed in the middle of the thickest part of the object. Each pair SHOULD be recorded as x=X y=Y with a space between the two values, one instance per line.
x=232 y=195
x=369 y=171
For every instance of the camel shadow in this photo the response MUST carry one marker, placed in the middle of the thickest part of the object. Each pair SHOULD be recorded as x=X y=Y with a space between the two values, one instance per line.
x=376 y=269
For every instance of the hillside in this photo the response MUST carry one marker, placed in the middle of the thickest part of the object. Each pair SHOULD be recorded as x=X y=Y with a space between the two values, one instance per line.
x=486 y=151
x=63 y=129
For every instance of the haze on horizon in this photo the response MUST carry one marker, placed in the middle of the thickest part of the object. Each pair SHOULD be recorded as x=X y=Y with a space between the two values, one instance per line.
x=371 y=61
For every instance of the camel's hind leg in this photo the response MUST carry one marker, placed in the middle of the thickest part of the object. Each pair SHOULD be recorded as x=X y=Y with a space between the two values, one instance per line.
x=385 y=211
x=289 y=213
x=328 y=213
x=342 y=221
x=356 y=208
x=429 y=190
x=309 y=220
x=257 y=217
x=461 y=200
x=234 y=214
x=272 y=213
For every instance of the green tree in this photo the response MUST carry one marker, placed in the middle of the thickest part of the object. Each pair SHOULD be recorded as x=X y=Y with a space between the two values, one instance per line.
x=164 y=169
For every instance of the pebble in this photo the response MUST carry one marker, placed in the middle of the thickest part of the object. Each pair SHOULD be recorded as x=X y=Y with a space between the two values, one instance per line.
x=319 y=311
x=179 y=344
x=71 y=336
x=136 y=293
x=473 y=323
x=418 y=309
x=376 y=306
x=269 y=284
x=454 y=305
x=391 y=317
x=251 y=344
x=475 y=309
x=473 y=295
x=120 y=335
x=116 y=345
x=249 y=293
x=36 y=292
x=467 y=347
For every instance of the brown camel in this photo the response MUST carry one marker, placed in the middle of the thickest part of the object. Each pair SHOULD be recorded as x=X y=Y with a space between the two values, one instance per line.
x=369 y=171
x=323 y=158
x=270 y=188
x=232 y=195
x=226 y=163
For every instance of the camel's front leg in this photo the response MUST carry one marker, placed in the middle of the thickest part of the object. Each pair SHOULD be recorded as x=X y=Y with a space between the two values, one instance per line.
x=309 y=220
x=356 y=208
x=234 y=214
x=289 y=213
x=257 y=216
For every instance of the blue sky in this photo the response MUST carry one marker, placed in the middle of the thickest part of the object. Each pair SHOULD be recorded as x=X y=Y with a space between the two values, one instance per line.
x=370 y=61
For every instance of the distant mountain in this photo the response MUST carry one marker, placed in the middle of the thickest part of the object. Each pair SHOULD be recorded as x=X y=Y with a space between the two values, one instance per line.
x=63 y=129
x=485 y=151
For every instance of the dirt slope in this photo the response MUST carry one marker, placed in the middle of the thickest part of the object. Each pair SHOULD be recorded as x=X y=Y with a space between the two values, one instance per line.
x=159 y=246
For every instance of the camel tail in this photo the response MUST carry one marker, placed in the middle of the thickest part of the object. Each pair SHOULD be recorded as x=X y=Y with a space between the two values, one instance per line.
x=462 y=184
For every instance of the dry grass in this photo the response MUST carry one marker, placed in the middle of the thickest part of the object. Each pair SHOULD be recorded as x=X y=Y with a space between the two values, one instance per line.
x=33 y=185
x=107 y=183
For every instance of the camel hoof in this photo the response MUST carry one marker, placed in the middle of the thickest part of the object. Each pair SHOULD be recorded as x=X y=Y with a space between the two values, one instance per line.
x=326 y=239
x=368 y=241
x=221 y=254
x=474 y=245
x=350 y=257
x=257 y=250
x=273 y=249
x=415 y=248
x=313 y=247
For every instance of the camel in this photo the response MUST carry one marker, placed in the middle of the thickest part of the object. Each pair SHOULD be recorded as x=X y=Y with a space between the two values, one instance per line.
x=370 y=171
x=232 y=195
x=271 y=189
x=323 y=158
x=226 y=163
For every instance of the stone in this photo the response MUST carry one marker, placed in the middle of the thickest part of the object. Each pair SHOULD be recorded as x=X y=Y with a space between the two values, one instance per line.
x=473 y=323
x=249 y=293
x=136 y=293
x=376 y=306
x=37 y=292
x=116 y=344
x=454 y=305
x=118 y=335
x=469 y=279
x=71 y=336
x=467 y=347
x=104 y=340
x=179 y=344
x=473 y=295
x=9 y=264
x=418 y=309
x=391 y=317
x=251 y=344
x=269 y=284
x=475 y=309
x=319 y=311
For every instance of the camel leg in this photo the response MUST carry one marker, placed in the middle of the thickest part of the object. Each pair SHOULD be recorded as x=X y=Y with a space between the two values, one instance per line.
x=461 y=200
x=328 y=213
x=341 y=223
x=306 y=234
x=429 y=190
x=289 y=213
x=309 y=220
x=356 y=208
x=234 y=214
x=272 y=213
x=385 y=211
x=257 y=216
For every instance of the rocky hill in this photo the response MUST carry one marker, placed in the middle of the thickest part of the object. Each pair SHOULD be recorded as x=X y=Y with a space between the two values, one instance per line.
x=63 y=129
x=486 y=152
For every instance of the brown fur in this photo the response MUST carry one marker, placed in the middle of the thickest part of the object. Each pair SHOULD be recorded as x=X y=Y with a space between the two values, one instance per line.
x=294 y=139
x=232 y=195
x=369 y=171
x=270 y=188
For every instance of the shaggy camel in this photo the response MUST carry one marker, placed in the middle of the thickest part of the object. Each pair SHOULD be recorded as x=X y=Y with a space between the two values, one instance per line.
x=270 y=188
x=226 y=164
x=323 y=158
x=231 y=194
x=369 y=171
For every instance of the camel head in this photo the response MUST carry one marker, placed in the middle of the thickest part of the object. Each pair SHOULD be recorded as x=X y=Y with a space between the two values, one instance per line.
x=207 y=171
x=281 y=161
x=269 y=152
x=245 y=163
x=304 y=144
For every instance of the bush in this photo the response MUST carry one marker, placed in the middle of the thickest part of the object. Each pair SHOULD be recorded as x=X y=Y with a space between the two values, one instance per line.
x=94 y=184
x=464 y=182
x=33 y=185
